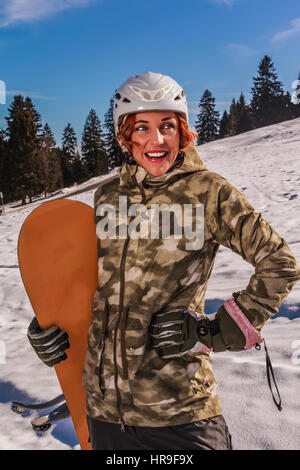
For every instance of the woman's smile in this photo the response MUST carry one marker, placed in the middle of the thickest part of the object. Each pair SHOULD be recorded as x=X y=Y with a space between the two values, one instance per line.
x=156 y=156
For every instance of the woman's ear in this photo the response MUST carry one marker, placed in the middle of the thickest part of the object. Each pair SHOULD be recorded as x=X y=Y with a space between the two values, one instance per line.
x=124 y=145
x=181 y=143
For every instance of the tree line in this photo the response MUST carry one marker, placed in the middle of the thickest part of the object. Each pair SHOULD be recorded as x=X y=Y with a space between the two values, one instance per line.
x=32 y=163
x=269 y=105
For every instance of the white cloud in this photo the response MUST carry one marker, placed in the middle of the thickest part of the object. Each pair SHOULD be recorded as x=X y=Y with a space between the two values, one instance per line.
x=32 y=94
x=287 y=33
x=13 y=11
x=239 y=51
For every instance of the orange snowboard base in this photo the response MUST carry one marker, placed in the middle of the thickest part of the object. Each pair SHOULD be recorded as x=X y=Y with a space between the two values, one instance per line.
x=57 y=251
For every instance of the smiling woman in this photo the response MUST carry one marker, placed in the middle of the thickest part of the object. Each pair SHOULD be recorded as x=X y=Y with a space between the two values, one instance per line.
x=148 y=373
x=155 y=138
x=149 y=306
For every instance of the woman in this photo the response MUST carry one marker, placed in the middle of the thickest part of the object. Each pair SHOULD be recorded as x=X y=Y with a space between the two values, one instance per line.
x=148 y=373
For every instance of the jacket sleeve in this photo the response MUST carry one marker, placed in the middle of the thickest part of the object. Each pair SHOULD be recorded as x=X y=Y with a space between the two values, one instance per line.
x=237 y=226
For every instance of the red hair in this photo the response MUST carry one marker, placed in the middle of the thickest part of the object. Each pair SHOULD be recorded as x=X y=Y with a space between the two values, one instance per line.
x=186 y=135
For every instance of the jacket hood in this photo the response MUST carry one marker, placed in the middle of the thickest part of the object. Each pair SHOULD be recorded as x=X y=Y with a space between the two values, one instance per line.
x=187 y=162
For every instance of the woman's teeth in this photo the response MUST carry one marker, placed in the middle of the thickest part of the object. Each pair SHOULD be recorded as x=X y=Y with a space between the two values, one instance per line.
x=156 y=154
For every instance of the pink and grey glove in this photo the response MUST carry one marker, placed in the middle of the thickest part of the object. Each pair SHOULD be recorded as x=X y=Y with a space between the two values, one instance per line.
x=178 y=332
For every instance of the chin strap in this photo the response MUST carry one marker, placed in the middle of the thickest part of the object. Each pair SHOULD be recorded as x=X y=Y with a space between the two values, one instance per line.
x=269 y=368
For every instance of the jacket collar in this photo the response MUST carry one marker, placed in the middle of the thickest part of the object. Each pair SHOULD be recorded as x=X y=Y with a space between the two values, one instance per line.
x=186 y=163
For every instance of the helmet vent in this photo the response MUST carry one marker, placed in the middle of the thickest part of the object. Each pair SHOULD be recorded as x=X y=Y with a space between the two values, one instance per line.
x=151 y=95
x=178 y=97
x=118 y=96
x=158 y=95
x=126 y=100
x=146 y=95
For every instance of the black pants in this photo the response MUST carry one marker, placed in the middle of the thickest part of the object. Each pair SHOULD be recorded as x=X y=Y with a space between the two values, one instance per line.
x=207 y=434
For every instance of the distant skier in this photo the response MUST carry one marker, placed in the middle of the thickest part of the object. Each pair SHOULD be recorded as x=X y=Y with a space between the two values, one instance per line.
x=148 y=370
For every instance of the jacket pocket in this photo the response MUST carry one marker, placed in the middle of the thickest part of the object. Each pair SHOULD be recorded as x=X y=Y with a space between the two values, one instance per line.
x=135 y=339
x=152 y=380
x=91 y=377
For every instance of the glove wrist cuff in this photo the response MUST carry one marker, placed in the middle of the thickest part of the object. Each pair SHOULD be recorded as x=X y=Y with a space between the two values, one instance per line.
x=252 y=337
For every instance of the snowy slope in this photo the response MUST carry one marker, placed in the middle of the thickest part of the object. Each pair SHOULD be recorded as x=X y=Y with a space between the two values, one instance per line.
x=264 y=165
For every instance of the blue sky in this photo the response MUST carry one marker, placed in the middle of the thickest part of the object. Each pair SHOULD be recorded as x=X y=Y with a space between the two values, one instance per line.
x=70 y=55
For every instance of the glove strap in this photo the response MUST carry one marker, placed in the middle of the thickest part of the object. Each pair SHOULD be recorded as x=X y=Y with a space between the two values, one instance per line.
x=270 y=373
x=253 y=338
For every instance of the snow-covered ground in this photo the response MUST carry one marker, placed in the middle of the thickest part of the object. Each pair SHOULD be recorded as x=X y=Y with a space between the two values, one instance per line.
x=264 y=165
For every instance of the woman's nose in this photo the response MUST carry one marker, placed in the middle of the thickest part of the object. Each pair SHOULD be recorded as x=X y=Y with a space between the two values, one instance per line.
x=157 y=137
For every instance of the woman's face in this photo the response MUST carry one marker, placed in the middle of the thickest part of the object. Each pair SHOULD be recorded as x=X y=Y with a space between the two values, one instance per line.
x=155 y=140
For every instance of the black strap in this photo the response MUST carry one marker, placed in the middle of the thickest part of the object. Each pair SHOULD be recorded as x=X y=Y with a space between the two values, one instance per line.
x=270 y=369
x=268 y=366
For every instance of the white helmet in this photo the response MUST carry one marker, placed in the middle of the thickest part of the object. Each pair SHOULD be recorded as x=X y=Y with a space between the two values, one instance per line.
x=148 y=92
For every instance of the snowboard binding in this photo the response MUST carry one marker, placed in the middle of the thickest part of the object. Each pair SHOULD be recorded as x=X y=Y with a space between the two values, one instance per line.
x=44 y=422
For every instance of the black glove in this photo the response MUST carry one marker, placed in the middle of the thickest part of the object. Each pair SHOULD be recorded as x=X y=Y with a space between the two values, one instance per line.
x=178 y=332
x=49 y=344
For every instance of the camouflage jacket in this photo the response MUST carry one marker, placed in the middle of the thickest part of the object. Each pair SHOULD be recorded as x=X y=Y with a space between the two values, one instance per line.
x=124 y=378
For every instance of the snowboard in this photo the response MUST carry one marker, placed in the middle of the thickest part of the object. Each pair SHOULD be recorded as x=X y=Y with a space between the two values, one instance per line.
x=57 y=251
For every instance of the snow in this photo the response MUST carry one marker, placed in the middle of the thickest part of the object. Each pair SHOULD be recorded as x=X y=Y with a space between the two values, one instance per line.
x=264 y=165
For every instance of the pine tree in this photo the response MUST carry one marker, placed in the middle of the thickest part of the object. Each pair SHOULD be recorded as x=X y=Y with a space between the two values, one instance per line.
x=23 y=149
x=3 y=165
x=80 y=172
x=233 y=118
x=51 y=176
x=69 y=142
x=289 y=110
x=93 y=146
x=68 y=154
x=116 y=157
x=207 y=123
x=48 y=140
x=224 y=125
x=73 y=167
x=244 y=123
x=267 y=104
x=35 y=115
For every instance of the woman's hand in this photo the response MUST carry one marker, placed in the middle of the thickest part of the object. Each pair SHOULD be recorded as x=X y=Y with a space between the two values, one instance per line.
x=179 y=332
x=48 y=344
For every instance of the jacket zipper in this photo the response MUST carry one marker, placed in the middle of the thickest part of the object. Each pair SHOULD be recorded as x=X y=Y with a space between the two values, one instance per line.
x=123 y=344
x=102 y=346
x=122 y=281
x=121 y=304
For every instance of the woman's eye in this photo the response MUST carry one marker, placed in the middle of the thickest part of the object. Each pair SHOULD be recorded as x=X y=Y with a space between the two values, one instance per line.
x=168 y=125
